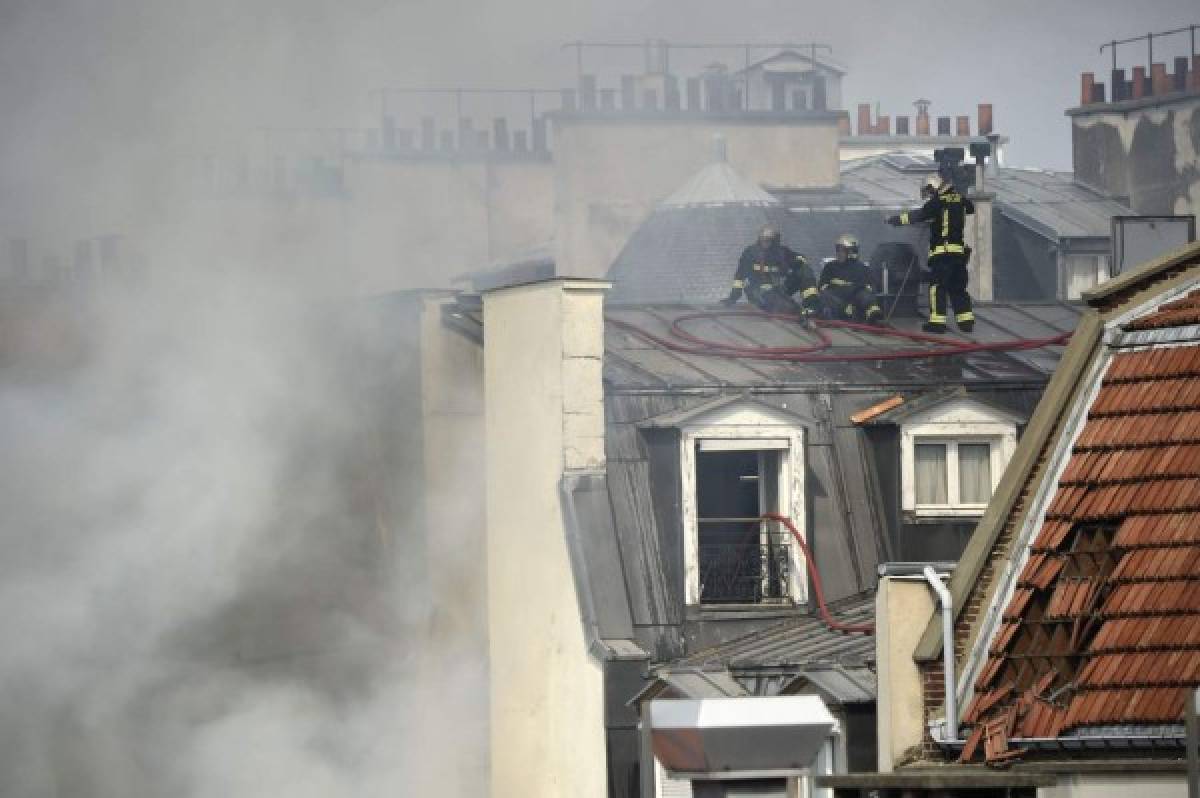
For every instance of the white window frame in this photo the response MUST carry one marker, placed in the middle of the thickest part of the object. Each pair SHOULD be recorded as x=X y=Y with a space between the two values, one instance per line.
x=955 y=422
x=737 y=435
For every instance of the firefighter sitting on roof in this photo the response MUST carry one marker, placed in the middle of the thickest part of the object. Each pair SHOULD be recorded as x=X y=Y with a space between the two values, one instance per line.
x=771 y=274
x=845 y=286
x=947 y=211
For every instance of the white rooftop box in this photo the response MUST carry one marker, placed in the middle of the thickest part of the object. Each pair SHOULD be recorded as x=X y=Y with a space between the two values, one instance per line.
x=746 y=734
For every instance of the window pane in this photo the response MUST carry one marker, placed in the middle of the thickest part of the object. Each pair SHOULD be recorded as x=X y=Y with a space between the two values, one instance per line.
x=931 y=473
x=974 y=473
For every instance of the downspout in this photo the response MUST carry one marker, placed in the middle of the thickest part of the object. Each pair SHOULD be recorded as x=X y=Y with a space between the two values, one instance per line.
x=947 y=603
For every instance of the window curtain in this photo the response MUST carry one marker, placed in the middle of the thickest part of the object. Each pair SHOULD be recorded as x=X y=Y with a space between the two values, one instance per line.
x=974 y=473
x=930 y=462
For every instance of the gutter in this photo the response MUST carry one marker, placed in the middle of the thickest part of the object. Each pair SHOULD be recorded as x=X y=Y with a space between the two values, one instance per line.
x=947 y=603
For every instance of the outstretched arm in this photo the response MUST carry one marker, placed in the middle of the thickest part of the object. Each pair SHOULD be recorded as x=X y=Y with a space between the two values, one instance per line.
x=927 y=211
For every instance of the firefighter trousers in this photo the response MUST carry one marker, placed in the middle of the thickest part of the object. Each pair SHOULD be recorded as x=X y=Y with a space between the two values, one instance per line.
x=948 y=290
x=856 y=303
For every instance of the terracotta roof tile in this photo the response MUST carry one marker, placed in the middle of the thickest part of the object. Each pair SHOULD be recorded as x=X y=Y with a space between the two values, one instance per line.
x=1170 y=314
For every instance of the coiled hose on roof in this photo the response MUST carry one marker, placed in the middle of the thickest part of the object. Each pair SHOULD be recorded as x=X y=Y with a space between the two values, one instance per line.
x=688 y=343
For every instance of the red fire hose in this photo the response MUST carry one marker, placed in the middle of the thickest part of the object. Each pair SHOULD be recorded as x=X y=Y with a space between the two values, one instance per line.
x=830 y=621
x=688 y=343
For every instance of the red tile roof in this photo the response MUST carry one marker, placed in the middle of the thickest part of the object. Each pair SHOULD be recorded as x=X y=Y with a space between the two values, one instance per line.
x=1171 y=314
x=1103 y=627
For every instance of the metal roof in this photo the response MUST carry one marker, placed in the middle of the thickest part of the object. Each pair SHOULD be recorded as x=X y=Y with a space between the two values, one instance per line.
x=718 y=184
x=800 y=643
x=634 y=364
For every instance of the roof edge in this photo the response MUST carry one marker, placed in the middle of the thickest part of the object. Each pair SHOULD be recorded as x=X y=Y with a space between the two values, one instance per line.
x=1100 y=296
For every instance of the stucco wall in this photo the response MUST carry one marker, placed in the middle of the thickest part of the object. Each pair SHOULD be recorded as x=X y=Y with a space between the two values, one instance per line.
x=1118 y=785
x=610 y=172
x=547 y=718
x=1150 y=154
x=903 y=607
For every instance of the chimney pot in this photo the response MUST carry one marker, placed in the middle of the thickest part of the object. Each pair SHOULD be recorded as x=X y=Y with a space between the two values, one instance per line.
x=962 y=126
x=884 y=126
x=1194 y=74
x=587 y=92
x=943 y=123
x=902 y=126
x=1159 y=83
x=1139 y=82
x=1117 y=82
x=864 y=119
x=1087 y=82
x=985 y=119
x=1179 y=79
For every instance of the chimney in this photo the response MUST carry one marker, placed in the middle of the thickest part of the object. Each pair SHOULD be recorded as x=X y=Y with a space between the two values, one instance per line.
x=902 y=126
x=943 y=128
x=1087 y=82
x=650 y=100
x=693 y=94
x=1159 y=83
x=587 y=92
x=628 y=93
x=466 y=133
x=844 y=125
x=1117 y=81
x=1194 y=74
x=539 y=135
x=985 y=119
x=520 y=141
x=883 y=126
x=922 y=117
x=864 y=119
x=1139 y=82
x=670 y=92
x=1179 y=80
x=902 y=605
x=979 y=234
x=537 y=445
x=962 y=125
x=500 y=133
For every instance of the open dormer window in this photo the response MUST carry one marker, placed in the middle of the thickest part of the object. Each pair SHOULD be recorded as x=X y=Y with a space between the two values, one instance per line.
x=741 y=458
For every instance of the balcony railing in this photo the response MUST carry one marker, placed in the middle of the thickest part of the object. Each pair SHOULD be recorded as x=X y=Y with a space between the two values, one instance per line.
x=744 y=573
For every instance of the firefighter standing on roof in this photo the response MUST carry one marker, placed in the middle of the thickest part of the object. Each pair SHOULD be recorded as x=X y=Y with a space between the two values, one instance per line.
x=946 y=210
x=845 y=285
x=770 y=274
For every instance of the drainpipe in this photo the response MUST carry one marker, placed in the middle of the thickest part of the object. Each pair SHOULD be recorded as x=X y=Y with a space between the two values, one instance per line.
x=947 y=603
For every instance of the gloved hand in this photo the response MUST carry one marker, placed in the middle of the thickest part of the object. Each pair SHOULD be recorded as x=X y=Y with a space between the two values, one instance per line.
x=894 y=221
x=730 y=300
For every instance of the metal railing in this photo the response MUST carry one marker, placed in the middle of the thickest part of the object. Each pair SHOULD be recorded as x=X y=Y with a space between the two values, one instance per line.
x=745 y=573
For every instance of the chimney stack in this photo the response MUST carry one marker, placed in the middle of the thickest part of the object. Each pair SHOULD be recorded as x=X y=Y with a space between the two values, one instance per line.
x=922 y=117
x=902 y=126
x=962 y=126
x=943 y=128
x=1139 y=82
x=1087 y=83
x=1159 y=83
x=864 y=119
x=587 y=92
x=985 y=119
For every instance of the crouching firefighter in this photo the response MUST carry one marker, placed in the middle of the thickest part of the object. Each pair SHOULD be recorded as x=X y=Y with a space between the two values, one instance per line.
x=845 y=286
x=770 y=274
x=946 y=210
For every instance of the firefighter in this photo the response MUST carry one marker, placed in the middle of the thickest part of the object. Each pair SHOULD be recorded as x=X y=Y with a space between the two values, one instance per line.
x=845 y=285
x=770 y=274
x=946 y=210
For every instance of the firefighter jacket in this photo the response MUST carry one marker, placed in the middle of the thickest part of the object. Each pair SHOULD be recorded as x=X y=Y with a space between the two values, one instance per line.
x=845 y=278
x=947 y=214
x=773 y=269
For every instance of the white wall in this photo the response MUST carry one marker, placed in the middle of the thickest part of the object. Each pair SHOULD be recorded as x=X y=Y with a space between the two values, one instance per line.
x=902 y=608
x=1118 y=785
x=547 y=709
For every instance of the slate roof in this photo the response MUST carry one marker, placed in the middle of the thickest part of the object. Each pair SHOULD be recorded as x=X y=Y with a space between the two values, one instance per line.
x=1101 y=633
x=687 y=249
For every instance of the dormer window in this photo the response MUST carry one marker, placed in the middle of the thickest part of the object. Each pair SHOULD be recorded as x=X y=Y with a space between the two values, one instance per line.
x=952 y=453
x=741 y=458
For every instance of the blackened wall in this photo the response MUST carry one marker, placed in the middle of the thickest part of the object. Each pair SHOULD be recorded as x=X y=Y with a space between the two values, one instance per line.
x=1148 y=154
